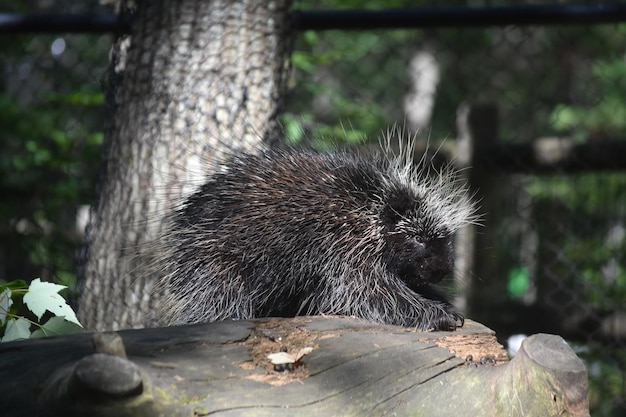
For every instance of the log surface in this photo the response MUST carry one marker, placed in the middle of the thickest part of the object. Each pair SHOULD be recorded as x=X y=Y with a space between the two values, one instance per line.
x=355 y=369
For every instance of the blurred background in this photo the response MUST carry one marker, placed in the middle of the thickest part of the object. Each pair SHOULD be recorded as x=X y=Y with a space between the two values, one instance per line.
x=547 y=112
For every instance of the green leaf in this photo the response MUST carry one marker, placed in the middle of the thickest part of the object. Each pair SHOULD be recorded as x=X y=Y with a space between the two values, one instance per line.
x=5 y=304
x=518 y=282
x=17 y=284
x=42 y=296
x=56 y=326
x=16 y=329
x=303 y=61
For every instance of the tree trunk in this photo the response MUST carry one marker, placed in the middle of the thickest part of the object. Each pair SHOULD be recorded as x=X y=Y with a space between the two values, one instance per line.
x=194 y=79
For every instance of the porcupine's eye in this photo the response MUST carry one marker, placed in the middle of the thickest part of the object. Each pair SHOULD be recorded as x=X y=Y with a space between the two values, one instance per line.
x=416 y=247
x=419 y=261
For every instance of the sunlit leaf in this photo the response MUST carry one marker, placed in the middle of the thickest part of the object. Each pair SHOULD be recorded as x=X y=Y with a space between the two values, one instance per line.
x=42 y=296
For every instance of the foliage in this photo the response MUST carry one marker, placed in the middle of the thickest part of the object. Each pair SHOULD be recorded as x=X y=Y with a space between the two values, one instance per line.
x=593 y=205
x=43 y=301
x=324 y=111
x=328 y=67
x=605 y=381
x=51 y=123
x=517 y=283
x=605 y=115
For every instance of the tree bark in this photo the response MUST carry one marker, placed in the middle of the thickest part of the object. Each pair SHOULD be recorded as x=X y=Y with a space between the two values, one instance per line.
x=194 y=80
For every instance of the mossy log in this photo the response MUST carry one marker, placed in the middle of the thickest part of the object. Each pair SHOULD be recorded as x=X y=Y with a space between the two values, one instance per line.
x=354 y=369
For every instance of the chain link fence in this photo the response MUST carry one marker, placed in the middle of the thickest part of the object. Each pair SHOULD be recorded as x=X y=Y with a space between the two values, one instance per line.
x=51 y=118
x=551 y=256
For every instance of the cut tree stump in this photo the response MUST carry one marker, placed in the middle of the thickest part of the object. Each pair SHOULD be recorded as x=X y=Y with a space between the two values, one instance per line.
x=354 y=369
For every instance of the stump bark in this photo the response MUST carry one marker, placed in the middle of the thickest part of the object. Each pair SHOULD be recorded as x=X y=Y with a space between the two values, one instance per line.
x=354 y=369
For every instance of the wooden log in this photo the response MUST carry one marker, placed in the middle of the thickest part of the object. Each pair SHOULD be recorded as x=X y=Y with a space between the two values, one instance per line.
x=355 y=369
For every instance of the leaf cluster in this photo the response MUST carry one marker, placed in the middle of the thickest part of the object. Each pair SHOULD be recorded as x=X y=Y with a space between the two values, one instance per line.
x=48 y=314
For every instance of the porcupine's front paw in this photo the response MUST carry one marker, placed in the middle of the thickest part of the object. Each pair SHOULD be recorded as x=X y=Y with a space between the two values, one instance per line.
x=448 y=319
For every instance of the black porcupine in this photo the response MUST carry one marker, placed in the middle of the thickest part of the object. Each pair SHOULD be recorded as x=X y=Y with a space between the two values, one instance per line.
x=286 y=232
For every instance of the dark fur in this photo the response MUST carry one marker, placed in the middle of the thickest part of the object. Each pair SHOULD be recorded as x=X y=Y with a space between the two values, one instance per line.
x=286 y=233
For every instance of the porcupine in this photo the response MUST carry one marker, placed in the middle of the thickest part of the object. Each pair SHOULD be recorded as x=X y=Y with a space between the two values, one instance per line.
x=286 y=232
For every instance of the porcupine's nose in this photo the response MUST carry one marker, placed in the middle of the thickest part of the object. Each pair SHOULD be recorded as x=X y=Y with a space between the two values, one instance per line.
x=439 y=259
